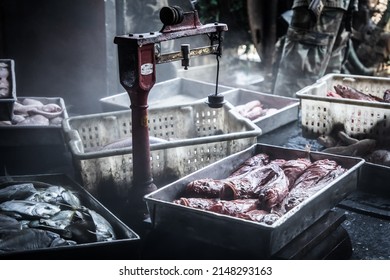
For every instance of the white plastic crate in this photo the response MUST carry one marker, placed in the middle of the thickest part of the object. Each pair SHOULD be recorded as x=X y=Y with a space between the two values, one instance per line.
x=361 y=119
x=197 y=136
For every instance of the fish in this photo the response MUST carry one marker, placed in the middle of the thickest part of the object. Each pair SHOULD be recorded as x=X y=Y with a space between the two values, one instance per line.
x=380 y=156
x=31 y=239
x=8 y=224
x=83 y=230
x=49 y=115
x=57 y=121
x=38 y=120
x=386 y=96
x=31 y=102
x=345 y=138
x=56 y=195
x=17 y=191
x=358 y=149
x=104 y=230
x=71 y=199
x=59 y=220
x=254 y=109
x=57 y=223
x=351 y=93
x=29 y=111
x=30 y=208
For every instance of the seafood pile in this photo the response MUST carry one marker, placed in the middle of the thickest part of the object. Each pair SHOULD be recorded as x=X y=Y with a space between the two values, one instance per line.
x=4 y=83
x=261 y=189
x=32 y=112
x=254 y=110
x=339 y=143
x=36 y=215
x=343 y=91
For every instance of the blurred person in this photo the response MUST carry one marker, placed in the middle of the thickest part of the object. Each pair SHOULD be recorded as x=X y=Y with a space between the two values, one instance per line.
x=315 y=43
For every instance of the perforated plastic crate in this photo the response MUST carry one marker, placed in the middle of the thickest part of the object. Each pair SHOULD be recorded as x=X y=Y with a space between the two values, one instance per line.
x=197 y=136
x=361 y=119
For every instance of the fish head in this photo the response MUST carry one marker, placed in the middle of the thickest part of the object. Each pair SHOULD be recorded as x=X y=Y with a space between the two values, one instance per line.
x=341 y=89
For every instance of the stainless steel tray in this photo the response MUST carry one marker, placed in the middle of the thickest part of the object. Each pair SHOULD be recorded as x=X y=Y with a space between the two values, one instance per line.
x=287 y=107
x=124 y=246
x=234 y=233
x=37 y=135
x=7 y=103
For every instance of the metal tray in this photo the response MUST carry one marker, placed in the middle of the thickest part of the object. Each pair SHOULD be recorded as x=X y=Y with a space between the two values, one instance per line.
x=287 y=107
x=234 y=233
x=125 y=246
x=37 y=135
x=372 y=196
x=171 y=92
x=7 y=103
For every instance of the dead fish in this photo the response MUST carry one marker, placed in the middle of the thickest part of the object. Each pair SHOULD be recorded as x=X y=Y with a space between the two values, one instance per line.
x=17 y=119
x=49 y=111
x=358 y=149
x=386 y=96
x=344 y=137
x=349 y=92
x=56 y=120
x=327 y=141
x=17 y=191
x=56 y=195
x=4 y=92
x=30 y=208
x=70 y=198
x=59 y=220
x=20 y=109
x=4 y=72
x=84 y=229
x=31 y=102
x=8 y=224
x=4 y=83
x=104 y=230
x=31 y=239
x=381 y=157
x=37 y=120
x=57 y=223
